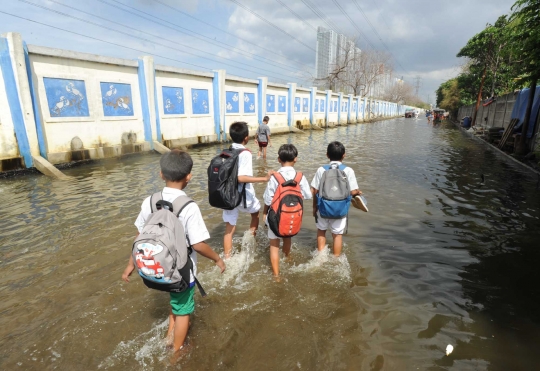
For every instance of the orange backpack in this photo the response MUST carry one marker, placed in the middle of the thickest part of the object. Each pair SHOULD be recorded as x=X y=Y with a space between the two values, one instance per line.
x=285 y=213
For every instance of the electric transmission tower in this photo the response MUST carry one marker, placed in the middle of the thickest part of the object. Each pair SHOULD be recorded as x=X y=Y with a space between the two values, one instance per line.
x=418 y=79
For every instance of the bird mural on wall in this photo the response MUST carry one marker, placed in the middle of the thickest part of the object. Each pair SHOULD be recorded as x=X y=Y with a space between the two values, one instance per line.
x=61 y=105
x=111 y=92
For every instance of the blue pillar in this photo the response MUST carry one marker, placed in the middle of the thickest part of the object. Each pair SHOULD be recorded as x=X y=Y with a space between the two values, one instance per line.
x=37 y=116
x=364 y=107
x=312 y=95
x=340 y=100
x=291 y=95
x=327 y=105
x=261 y=96
x=144 y=104
x=156 y=105
x=349 y=109
x=14 y=103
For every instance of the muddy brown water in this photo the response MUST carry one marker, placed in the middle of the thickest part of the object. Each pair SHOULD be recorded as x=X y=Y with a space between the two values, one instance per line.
x=440 y=259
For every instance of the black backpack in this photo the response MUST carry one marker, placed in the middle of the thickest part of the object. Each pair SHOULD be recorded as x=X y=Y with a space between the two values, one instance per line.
x=223 y=180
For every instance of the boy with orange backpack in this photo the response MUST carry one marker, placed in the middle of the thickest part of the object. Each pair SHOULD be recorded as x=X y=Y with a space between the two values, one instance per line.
x=283 y=201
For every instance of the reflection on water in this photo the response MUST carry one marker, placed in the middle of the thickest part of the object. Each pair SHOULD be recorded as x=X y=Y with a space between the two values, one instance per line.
x=443 y=257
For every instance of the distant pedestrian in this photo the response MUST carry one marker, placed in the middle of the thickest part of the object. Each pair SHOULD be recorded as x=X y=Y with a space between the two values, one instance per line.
x=262 y=137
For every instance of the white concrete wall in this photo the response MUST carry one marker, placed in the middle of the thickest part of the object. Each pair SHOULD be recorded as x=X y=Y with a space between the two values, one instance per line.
x=320 y=117
x=96 y=130
x=187 y=126
x=242 y=86
x=277 y=119
x=8 y=142
x=333 y=115
x=302 y=116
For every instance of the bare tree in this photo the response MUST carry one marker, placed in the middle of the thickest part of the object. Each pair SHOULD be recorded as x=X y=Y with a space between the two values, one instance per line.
x=399 y=91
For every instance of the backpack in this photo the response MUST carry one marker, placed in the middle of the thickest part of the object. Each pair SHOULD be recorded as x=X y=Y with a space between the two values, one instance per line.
x=261 y=133
x=285 y=213
x=223 y=180
x=160 y=252
x=334 y=196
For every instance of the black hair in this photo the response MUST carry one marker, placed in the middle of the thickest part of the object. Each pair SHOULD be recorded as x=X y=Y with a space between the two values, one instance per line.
x=266 y=119
x=238 y=131
x=287 y=152
x=335 y=151
x=175 y=165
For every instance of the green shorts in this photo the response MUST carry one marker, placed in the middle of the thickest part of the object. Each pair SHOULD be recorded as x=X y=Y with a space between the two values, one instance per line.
x=183 y=303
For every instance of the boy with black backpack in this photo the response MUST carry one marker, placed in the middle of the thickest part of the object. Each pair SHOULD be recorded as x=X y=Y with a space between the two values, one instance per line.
x=171 y=231
x=283 y=203
x=230 y=184
x=262 y=137
x=333 y=187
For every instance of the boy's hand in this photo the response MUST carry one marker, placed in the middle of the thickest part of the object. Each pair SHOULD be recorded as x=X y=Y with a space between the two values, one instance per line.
x=269 y=175
x=221 y=265
x=127 y=272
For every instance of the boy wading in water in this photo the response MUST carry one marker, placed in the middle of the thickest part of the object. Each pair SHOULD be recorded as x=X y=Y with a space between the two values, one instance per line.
x=337 y=223
x=239 y=133
x=176 y=172
x=287 y=157
x=262 y=137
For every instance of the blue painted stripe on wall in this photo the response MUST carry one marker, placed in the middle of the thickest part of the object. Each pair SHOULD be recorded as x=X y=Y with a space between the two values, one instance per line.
x=144 y=104
x=311 y=108
x=260 y=99
x=290 y=106
x=349 y=108
x=327 y=110
x=339 y=108
x=156 y=106
x=215 y=94
x=37 y=116
x=14 y=103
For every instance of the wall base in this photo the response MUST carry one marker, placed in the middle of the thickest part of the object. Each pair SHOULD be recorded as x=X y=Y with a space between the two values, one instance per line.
x=97 y=153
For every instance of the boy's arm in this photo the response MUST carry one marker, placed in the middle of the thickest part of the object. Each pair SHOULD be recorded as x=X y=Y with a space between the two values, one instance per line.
x=265 y=210
x=205 y=250
x=255 y=179
x=129 y=268
x=314 y=193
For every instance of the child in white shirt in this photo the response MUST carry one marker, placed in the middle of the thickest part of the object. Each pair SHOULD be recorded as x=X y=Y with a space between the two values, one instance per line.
x=287 y=157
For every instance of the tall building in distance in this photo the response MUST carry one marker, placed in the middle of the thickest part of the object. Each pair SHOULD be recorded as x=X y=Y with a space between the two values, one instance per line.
x=326 y=51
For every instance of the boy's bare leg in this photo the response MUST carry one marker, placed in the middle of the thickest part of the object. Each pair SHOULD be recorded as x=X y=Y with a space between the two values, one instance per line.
x=227 y=239
x=254 y=225
x=287 y=242
x=338 y=243
x=274 y=255
x=259 y=152
x=169 y=337
x=321 y=239
x=264 y=152
x=181 y=327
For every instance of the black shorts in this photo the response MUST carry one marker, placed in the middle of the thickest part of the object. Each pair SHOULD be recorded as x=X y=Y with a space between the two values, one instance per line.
x=263 y=144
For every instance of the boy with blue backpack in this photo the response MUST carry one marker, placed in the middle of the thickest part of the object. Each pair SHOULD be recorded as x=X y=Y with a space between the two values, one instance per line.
x=333 y=187
x=171 y=233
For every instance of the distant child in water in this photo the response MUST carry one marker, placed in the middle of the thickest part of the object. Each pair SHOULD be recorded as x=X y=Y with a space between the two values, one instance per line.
x=284 y=193
x=262 y=137
x=334 y=186
x=176 y=172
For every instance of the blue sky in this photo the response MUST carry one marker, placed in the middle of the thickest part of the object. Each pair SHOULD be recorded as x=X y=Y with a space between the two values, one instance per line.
x=423 y=36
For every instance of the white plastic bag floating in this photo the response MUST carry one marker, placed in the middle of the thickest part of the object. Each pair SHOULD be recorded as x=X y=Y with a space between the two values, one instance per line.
x=449 y=349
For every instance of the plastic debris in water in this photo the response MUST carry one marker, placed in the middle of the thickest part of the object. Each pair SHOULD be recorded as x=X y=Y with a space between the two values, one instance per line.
x=449 y=349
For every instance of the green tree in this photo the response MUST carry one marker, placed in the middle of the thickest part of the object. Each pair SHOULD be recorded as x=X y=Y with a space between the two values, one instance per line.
x=524 y=30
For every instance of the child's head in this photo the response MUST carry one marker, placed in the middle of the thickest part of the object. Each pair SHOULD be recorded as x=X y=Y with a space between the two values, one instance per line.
x=287 y=153
x=239 y=132
x=335 y=151
x=266 y=119
x=176 y=166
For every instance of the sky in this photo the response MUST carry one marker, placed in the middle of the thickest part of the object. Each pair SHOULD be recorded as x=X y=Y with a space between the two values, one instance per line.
x=252 y=38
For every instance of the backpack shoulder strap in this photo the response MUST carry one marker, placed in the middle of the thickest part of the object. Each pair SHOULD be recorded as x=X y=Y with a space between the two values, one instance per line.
x=279 y=178
x=153 y=199
x=298 y=177
x=180 y=203
x=342 y=167
x=326 y=167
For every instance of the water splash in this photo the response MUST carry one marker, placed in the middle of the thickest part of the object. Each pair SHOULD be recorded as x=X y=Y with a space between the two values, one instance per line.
x=337 y=267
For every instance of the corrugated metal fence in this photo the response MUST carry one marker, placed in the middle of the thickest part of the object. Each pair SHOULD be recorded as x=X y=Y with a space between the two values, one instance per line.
x=497 y=114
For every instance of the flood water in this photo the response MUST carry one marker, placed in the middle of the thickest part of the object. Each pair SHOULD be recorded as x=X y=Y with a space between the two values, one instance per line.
x=441 y=258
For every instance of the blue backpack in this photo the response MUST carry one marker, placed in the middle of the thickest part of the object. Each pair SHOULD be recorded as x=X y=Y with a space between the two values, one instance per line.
x=334 y=196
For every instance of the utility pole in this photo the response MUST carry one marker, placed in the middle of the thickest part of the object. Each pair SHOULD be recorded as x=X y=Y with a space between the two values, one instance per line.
x=417 y=85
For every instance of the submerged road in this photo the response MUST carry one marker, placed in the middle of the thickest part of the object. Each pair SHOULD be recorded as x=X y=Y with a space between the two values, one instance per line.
x=441 y=258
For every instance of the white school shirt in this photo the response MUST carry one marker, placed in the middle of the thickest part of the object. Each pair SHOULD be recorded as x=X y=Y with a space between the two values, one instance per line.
x=190 y=217
x=245 y=167
x=353 y=184
x=288 y=173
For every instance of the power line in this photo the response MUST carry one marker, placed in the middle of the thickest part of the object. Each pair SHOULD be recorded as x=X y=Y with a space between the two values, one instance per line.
x=377 y=33
x=271 y=24
x=137 y=37
x=108 y=42
x=296 y=14
x=179 y=29
x=231 y=34
x=319 y=14
x=354 y=24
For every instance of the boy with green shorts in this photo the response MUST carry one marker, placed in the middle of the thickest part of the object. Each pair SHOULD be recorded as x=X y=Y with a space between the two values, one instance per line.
x=176 y=172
